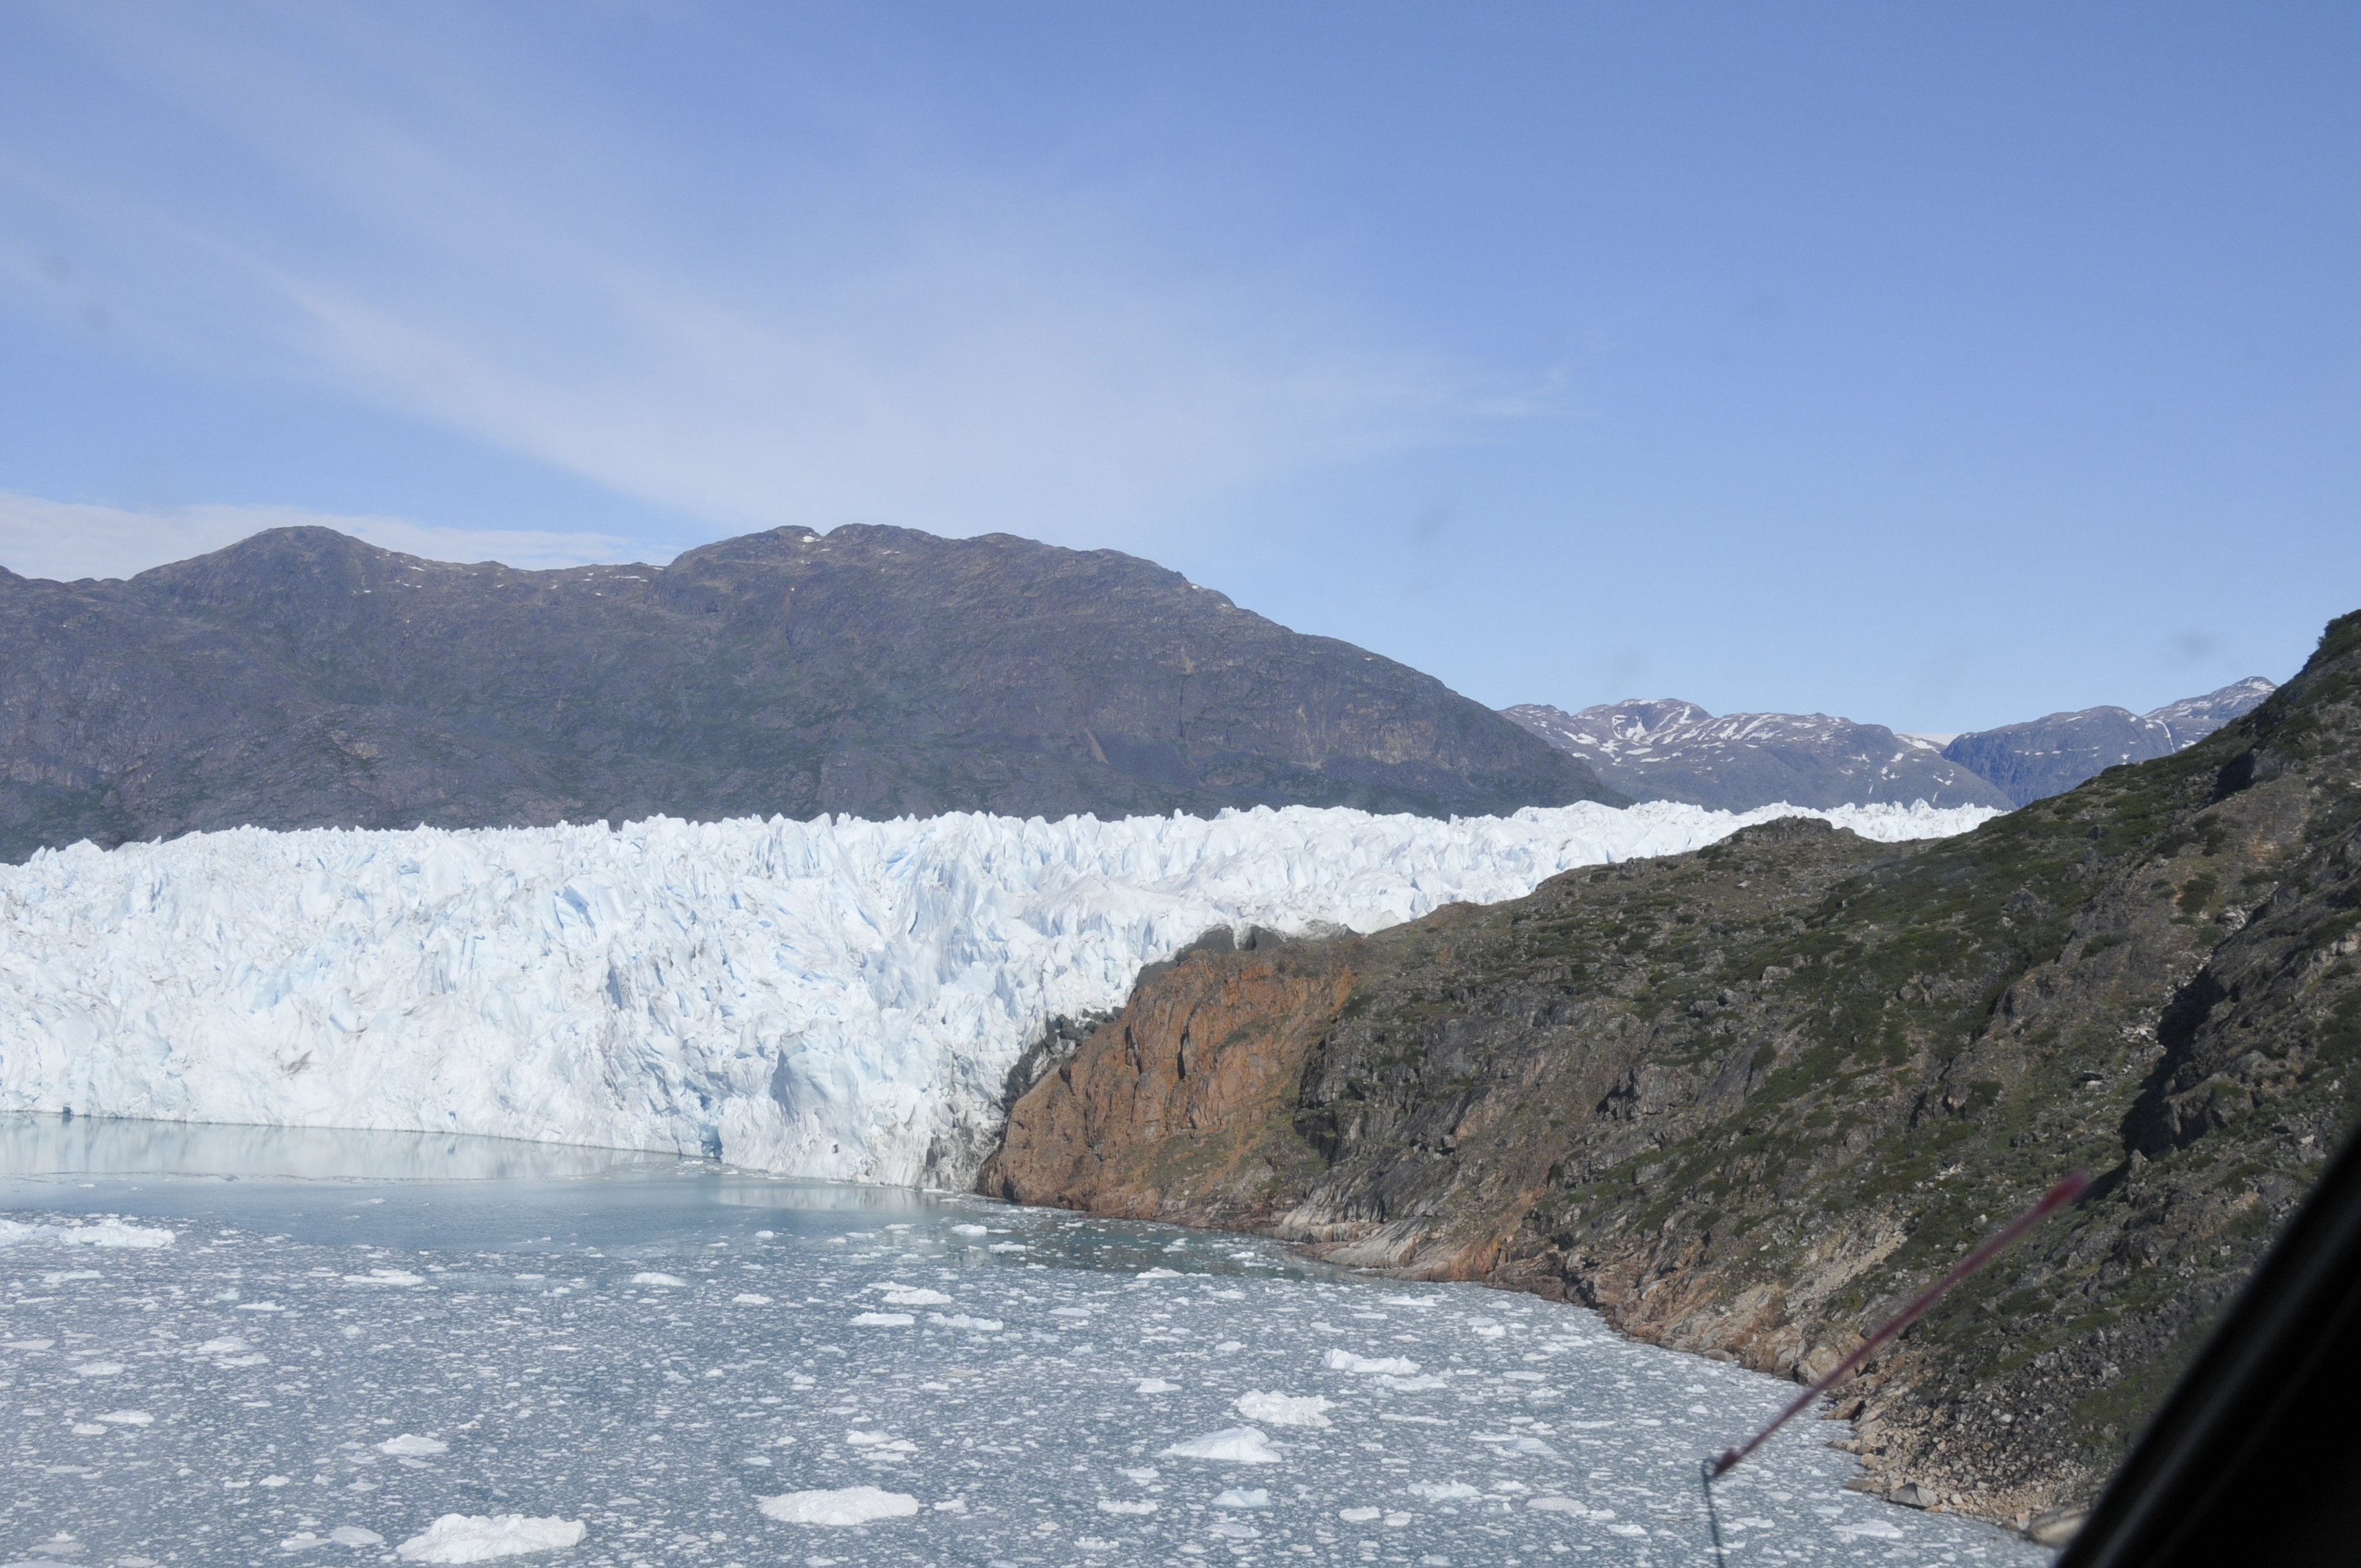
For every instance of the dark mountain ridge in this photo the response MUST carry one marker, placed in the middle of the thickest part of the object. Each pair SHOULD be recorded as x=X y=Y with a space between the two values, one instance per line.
x=1671 y=750
x=2050 y=755
x=301 y=678
x=1664 y=749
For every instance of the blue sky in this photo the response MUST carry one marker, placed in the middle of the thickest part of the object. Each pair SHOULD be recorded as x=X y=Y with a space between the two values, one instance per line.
x=1934 y=365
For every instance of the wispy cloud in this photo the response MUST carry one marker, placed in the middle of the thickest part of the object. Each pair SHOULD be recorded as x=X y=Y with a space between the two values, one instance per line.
x=67 y=540
x=860 y=324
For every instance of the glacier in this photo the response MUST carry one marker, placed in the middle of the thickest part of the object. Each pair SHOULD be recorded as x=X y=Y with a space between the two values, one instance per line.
x=839 y=999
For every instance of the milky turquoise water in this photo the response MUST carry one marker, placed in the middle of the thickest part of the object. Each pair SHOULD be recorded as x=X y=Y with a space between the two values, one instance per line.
x=362 y=1333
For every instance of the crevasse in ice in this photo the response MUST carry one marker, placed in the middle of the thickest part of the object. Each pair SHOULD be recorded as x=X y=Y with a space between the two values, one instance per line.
x=840 y=999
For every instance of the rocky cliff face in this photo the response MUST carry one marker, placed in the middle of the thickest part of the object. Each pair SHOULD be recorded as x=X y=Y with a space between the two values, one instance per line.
x=1744 y=1102
x=306 y=679
x=1176 y=1102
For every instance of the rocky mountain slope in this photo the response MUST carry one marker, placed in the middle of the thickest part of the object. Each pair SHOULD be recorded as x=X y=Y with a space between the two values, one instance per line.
x=1744 y=1100
x=1670 y=749
x=2048 y=756
x=301 y=678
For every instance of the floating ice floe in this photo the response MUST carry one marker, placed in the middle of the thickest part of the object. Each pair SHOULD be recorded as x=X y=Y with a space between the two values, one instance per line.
x=883 y=1321
x=648 y=1276
x=837 y=998
x=844 y=1506
x=1555 y=1504
x=343 y=1535
x=916 y=1296
x=1122 y=1505
x=409 y=1445
x=1388 y=1366
x=1283 y=1410
x=962 y=1321
x=1243 y=1498
x=103 y=1233
x=880 y=1442
x=1156 y=1386
x=748 y=1298
x=1231 y=1445
x=479 y=1537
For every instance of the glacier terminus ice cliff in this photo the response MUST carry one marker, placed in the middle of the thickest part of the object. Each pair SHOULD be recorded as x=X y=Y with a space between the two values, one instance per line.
x=838 y=998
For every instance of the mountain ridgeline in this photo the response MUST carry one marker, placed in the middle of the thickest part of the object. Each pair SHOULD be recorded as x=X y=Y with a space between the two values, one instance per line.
x=1670 y=749
x=2048 y=756
x=301 y=678
x=1745 y=1101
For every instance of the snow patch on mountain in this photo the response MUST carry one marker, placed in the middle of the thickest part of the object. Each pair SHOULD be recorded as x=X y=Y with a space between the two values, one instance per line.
x=839 y=999
x=2193 y=718
x=1664 y=749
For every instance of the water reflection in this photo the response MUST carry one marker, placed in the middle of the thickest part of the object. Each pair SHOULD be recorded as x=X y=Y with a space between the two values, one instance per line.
x=416 y=1190
x=114 y=1146
x=442 y=1192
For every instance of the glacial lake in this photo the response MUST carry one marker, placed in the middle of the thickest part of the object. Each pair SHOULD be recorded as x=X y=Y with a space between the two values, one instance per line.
x=248 y=1346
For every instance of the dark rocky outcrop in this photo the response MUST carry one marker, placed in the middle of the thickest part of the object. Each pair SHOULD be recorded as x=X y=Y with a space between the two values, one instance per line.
x=302 y=678
x=1743 y=1101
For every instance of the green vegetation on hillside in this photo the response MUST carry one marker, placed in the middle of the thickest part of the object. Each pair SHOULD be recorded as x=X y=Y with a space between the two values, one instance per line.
x=1746 y=1100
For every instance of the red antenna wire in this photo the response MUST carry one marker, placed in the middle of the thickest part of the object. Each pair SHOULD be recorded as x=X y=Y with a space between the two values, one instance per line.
x=2057 y=1197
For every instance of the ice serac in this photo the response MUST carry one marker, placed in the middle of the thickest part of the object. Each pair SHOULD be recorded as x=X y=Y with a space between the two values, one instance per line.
x=836 y=998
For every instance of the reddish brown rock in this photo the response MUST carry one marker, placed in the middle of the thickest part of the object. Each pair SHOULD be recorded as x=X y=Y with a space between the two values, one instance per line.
x=1178 y=1108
